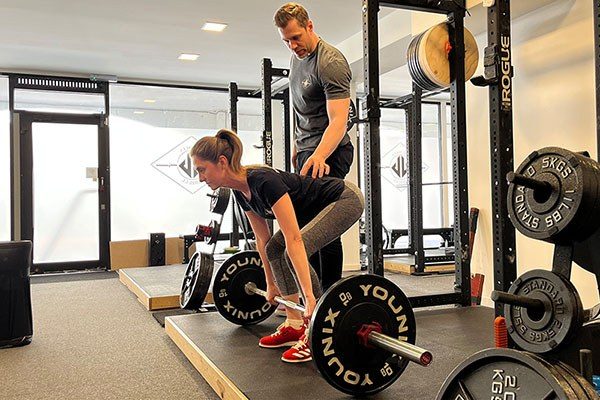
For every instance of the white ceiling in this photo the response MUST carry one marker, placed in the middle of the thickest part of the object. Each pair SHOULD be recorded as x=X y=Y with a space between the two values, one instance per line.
x=141 y=39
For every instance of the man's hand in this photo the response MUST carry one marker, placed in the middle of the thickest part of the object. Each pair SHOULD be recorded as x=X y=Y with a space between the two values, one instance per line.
x=317 y=163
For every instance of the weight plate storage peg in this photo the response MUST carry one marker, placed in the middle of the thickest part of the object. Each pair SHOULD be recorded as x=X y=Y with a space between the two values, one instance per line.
x=508 y=374
x=543 y=311
x=231 y=299
x=554 y=195
x=219 y=200
x=335 y=333
x=196 y=281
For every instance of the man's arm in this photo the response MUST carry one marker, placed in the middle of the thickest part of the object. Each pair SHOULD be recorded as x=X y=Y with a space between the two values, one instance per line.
x=337 y=111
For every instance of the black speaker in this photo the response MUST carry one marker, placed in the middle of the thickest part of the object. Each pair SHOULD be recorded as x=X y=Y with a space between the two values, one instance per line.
x=16 y=321
x=157 y=249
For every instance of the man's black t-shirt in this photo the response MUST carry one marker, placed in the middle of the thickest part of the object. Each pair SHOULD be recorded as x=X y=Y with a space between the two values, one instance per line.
x=309 y=196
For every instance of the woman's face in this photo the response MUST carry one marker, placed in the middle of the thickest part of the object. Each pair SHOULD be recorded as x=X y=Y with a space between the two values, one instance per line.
x=209 y=172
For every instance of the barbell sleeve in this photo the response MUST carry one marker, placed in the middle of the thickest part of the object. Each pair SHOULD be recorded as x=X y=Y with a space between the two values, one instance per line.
x=404 y=349
x=517 y=300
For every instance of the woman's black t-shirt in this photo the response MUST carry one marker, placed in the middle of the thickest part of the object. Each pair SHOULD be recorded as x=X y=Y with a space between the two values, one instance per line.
x=309 y=196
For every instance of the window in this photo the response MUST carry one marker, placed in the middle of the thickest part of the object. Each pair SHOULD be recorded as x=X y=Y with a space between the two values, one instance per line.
x=61 y=102
x=448 y=189
x=154 y=185
x=437 y=188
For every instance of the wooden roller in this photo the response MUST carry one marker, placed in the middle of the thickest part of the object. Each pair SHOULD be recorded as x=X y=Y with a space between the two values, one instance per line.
x=430 y=56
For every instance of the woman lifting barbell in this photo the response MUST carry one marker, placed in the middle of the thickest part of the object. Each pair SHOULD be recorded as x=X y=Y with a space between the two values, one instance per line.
x=310 y=213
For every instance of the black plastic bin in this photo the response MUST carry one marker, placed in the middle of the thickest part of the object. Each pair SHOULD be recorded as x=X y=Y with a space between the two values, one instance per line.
x=16 y=321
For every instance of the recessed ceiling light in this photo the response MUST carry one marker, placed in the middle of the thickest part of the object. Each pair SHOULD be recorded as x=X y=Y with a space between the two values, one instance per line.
x=138 y=112
x=214 y=26
x=189 y=57
x=149 y=101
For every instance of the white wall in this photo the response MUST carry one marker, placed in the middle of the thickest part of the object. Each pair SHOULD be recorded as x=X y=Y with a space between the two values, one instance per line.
x=554 y=105
x=350 y=239
x=4 y=168
x=148 y=197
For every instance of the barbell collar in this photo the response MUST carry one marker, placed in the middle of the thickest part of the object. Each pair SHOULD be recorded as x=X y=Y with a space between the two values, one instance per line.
x=404 y=349
x=517 y=300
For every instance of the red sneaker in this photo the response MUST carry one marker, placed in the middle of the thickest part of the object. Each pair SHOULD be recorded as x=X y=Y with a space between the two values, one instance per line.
x=300 y=352
x=285 y=335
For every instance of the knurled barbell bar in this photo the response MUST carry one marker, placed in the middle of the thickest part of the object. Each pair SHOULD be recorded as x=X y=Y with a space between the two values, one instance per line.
x=362 y=331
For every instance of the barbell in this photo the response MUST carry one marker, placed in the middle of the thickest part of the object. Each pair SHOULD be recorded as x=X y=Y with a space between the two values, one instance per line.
x=362 y=332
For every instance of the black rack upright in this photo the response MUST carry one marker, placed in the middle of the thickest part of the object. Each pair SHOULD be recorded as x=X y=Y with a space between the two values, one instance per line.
x=597 y=64
x=455 y=11
x=234 y=238
x=498 y=60
x=411 y=104
x=270 y=76
x=234 y=94
x=414 y=151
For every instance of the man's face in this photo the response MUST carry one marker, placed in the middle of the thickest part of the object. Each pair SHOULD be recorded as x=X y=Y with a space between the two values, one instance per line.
x=297 y=38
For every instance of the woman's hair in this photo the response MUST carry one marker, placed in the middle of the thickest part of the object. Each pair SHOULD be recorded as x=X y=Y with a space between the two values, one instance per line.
x=224 y=143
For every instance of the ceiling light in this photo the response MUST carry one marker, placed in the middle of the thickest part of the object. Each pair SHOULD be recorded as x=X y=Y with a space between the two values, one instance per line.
x=214 y=26
x=149 y=101
x=188 y=57
x=138 y=112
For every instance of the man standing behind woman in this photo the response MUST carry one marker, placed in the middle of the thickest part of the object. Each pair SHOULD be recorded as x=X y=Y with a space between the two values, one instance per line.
x=320 y=89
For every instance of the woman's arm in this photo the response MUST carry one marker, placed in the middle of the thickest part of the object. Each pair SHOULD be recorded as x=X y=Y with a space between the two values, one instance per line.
x=288 y=223
x=262 y=235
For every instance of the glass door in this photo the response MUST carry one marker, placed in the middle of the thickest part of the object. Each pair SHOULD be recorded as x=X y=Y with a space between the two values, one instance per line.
x=62 y=188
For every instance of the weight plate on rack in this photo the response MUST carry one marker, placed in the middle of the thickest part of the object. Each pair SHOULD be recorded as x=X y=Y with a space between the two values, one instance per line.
x=505 y=374
x=549 y=329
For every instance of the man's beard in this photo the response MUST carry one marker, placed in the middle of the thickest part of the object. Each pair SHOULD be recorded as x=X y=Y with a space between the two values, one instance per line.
x=303 y=57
